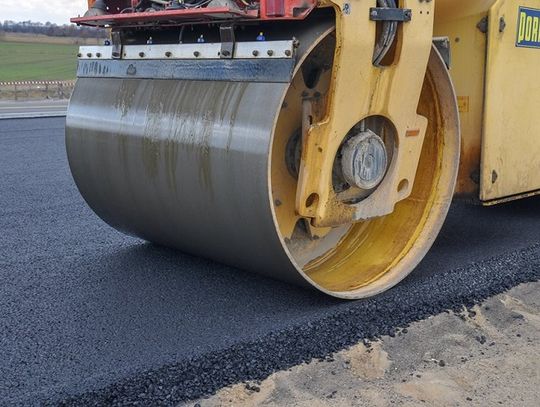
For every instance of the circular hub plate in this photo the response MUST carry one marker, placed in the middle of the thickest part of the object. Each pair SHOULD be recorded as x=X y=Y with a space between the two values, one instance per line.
x=364 y=161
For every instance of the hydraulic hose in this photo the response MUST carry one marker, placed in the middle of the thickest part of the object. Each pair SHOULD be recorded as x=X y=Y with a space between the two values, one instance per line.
x=388 y=34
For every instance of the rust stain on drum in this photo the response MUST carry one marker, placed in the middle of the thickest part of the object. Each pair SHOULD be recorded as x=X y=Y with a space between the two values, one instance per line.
x=126 y=96
x=207 y=108
x=175 y=116
x=156 y=120
x=124 y=104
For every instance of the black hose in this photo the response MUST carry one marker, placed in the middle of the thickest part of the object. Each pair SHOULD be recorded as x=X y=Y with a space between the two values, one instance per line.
x=388 y=34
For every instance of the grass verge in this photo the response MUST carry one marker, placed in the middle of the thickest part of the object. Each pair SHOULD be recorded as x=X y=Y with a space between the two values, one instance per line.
x=31 y=62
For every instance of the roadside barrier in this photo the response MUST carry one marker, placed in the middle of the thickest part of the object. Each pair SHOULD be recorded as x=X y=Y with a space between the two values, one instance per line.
x=17 y=90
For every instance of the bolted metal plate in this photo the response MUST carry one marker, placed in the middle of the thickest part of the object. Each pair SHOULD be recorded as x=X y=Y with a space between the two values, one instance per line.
x=390 y=14
x=242 y=50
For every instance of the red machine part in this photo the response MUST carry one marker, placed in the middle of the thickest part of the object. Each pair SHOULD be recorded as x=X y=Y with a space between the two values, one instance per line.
x=268 y=10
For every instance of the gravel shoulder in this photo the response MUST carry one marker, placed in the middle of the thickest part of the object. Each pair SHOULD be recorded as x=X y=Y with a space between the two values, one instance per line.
x=486 y=355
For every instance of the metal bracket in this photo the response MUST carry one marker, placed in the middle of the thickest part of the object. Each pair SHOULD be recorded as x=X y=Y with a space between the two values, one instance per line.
x=116 y=45
x=359 y=90
x=390 y=14
x=483 y=25
x=443 y=46
x=226 y=33
x=502 y=24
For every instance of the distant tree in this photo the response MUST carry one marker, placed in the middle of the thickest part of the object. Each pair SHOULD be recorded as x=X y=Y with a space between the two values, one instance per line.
x=51 y=29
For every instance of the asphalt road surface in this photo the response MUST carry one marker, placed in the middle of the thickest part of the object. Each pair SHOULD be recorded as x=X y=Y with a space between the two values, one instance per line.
x=88 y=315
x=32 y=108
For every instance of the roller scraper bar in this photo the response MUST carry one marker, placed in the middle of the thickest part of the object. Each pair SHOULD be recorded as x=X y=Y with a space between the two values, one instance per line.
x=271 y=61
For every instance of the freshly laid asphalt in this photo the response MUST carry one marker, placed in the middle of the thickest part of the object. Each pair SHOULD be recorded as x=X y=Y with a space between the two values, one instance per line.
x=90 y=316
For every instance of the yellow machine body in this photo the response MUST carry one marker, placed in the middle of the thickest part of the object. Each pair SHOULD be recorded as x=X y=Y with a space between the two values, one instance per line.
x=495 y=48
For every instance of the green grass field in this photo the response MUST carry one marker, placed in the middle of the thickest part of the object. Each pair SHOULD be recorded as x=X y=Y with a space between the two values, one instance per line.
x=32 y=62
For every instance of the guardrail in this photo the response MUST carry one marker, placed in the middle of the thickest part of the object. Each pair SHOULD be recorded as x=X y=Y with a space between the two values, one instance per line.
x=19 y=90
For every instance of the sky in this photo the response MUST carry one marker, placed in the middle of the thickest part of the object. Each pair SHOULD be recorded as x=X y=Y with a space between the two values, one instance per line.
x=55 y=11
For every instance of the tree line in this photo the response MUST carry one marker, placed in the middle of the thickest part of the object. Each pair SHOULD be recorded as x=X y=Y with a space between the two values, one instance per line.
x=51 y=29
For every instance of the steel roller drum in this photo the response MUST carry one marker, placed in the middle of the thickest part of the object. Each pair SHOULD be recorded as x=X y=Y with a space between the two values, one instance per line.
x=191 y=164
x=181 y=163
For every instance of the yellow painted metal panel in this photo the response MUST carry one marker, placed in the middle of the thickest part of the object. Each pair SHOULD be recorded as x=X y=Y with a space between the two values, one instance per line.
x=511 y=139
x=468 y=46
x=452 y=10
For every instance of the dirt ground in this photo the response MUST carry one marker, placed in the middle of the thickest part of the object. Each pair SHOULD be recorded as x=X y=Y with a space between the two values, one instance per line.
x=486 y=356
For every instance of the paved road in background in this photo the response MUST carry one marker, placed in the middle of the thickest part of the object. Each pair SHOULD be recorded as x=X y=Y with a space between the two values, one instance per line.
x=32 y=108
x=90 y=313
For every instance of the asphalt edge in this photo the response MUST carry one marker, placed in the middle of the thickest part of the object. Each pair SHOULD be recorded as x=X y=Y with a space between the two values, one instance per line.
x=32 y=116
x=255 y=361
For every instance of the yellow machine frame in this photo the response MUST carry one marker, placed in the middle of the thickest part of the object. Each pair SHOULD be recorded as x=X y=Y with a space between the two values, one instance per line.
x=498 y=91
x=377 y=92
x=497 y=98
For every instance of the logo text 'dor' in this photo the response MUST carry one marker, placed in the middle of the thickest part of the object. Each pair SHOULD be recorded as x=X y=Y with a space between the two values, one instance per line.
x=528 y=32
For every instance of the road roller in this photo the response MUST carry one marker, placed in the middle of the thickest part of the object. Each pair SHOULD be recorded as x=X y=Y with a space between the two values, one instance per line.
x=320 y=142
